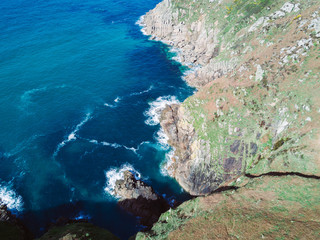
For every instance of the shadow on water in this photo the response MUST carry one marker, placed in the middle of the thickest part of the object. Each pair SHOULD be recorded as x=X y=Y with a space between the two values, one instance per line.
x=38 y=222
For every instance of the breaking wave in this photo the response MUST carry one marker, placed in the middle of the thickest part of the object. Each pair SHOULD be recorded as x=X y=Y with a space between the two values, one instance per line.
x=165 y=166
x=153 y=114
x=162 y=139
x=10 y=198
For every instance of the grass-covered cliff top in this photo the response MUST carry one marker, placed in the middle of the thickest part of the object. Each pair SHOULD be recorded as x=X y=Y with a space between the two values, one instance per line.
x=268 y=207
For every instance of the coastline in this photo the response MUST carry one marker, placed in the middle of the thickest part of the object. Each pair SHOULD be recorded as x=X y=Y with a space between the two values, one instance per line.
x=247 y=141
x=201 y=164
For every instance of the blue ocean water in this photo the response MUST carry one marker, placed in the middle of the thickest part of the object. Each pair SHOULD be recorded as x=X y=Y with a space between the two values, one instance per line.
x=80 y=94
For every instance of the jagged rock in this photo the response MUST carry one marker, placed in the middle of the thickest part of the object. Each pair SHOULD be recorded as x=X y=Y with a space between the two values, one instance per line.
x=10 y=227
x=140 y=199
x=131 y=188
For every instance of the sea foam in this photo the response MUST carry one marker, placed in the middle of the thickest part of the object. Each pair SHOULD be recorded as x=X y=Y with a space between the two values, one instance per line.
x=73 y=135
x=10 y=198
x=142 y=92
x=114 y=174
x=162 y=139
x=165 y=166
x=153 y=114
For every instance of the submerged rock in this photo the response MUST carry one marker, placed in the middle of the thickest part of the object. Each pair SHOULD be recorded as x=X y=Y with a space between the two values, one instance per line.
x=140 y=199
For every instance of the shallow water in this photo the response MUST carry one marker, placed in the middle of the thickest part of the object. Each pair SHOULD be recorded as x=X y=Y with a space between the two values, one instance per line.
x=80 y=94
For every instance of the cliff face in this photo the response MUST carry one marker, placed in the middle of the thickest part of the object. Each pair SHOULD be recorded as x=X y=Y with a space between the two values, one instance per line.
x=256 y=67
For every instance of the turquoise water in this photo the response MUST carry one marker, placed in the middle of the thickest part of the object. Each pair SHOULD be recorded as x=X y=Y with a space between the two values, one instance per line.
x=80 y=94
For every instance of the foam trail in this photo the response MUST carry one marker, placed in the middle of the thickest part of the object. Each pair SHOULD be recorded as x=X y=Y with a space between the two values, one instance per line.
x=116 y=100
x=114 y=174
x=153 y=114
x=142 y=92
x=72 y=136
x=10 y=198
x=109 y=105
x=116 y=145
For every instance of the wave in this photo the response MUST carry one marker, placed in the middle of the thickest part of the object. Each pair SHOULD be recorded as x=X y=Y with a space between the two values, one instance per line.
x=162 y=139
x=153 y=114
x=73 y=135
x=116 y=145
x=10 y=198
x=142 y=92
x=118 y=99
x=141 y=24
x=114 y=174
x=109 y=105
x=165 y=166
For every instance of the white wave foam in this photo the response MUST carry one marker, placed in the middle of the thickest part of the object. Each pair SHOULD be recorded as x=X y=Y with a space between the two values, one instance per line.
x=156 y=107
x=140 y=22
x=109 y=105
x=10 y=198
x=162 y=139
x=117 y=99
x=115 y=174
x=73 y=135
x=116 y=145
x=142 y=92
x=165 y=166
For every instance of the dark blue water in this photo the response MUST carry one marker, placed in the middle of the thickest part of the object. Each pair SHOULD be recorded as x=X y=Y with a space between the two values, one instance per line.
x=80 y=94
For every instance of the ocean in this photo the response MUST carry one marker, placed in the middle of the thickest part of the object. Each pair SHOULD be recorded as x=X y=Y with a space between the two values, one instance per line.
x=81 y=91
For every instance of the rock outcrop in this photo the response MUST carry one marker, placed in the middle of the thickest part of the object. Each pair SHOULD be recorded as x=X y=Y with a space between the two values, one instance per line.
x=131 y=188
x=140 y=199
x=11 y=227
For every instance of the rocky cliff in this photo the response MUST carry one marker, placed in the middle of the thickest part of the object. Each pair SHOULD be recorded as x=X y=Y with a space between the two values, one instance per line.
x=256 y=67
